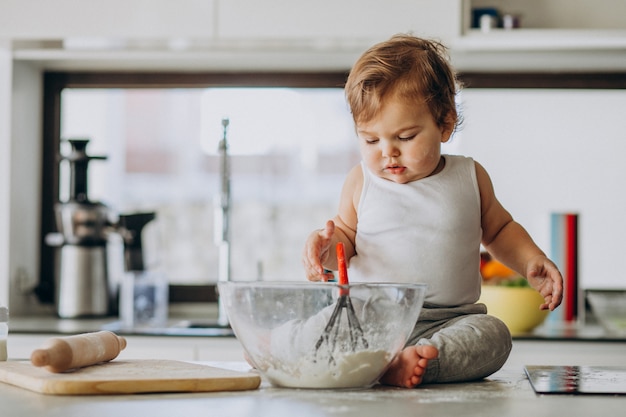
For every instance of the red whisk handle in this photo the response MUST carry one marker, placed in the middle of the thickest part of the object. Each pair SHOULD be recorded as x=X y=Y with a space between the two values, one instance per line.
x=341 y=264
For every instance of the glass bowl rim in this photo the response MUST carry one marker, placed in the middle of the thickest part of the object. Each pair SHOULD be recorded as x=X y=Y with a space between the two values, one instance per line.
x=318 y=285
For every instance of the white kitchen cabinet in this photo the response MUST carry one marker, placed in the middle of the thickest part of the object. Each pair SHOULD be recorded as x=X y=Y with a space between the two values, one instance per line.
x=114 y=19
x=226 y=35
x=228 y=19
x=217 y=35
x=340 y=20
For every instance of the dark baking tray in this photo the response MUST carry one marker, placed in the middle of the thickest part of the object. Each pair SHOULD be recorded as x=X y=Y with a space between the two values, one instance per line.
x=608 y=380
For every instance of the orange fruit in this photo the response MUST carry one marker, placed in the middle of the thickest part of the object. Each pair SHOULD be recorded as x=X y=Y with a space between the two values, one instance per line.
x=495 y=269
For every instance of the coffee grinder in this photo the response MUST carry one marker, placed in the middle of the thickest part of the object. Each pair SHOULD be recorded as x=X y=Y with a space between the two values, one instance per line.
x=82 y=286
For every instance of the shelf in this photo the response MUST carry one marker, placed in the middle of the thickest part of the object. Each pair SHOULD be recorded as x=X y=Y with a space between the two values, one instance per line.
x=496 y=50
x=548 y=50
x=541 y=40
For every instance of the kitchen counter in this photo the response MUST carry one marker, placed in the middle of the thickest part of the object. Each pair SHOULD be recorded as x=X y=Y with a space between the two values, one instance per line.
x=184 y=320
x=506 y=393
x=201 y=322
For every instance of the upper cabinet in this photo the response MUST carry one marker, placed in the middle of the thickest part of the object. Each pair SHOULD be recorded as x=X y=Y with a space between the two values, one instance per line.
x=337 y=21
x=215 y=34
x=215 y=20
x=112 y=19
x=209 y=35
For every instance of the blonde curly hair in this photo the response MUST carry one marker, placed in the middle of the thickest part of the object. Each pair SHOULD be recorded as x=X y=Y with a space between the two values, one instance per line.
x=415 y=68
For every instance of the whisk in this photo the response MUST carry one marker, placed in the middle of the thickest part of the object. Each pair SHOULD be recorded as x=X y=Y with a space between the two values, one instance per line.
x=330 y=335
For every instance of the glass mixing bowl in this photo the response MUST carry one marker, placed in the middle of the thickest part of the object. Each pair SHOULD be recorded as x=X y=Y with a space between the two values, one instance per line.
x=283 y=327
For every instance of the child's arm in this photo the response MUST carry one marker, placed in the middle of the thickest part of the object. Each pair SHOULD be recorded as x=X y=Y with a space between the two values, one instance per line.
x=319 y=249
x=317 y=252
x=511 y=244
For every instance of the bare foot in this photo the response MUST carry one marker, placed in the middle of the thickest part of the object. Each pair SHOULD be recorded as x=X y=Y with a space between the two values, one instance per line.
x=408 y=367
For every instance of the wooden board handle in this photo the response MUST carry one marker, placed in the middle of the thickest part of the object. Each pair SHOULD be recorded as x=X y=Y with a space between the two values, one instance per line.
x=60 y=354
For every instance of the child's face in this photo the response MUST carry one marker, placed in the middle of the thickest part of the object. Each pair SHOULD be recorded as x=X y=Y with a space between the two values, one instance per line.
x=402 y=143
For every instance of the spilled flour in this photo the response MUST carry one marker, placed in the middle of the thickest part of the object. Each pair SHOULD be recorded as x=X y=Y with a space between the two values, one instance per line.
x=349 y=370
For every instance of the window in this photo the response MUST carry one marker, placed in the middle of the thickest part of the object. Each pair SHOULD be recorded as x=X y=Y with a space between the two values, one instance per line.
x=290 y=145
x=287 y=167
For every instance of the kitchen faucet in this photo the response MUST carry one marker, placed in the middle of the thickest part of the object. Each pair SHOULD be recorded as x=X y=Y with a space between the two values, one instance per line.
x=222 y=221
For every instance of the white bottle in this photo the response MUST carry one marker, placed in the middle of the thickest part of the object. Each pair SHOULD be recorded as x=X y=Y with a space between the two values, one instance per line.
x=4 y=332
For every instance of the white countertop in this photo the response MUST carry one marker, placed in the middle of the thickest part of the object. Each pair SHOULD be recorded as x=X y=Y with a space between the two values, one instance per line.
x=506 y=393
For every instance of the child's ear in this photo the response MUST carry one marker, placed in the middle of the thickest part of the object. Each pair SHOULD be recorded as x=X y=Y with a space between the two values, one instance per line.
x=448 y=128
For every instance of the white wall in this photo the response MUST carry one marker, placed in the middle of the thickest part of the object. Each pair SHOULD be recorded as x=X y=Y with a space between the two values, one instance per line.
x=557 y=151
x=25 y=167
x=6 y=71
x=20 y=179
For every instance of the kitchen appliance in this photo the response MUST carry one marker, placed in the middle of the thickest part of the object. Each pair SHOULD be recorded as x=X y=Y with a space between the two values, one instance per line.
x=143 y=294
x=81 y=282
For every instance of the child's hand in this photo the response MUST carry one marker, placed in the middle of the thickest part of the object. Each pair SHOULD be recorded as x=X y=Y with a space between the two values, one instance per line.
x=317 y=252
x=544 y=276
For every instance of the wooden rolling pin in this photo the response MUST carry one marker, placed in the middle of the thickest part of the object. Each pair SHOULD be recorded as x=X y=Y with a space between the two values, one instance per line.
x=60 y=354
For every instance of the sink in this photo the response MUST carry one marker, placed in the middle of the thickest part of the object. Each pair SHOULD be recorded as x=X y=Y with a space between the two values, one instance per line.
x=195 y=319
x=180 y=328
x=185 y=319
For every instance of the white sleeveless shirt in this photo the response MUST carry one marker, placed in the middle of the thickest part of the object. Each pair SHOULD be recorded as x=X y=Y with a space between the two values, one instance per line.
x=426 y=231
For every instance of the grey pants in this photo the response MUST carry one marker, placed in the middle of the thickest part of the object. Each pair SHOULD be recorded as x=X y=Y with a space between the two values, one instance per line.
x=472 y=345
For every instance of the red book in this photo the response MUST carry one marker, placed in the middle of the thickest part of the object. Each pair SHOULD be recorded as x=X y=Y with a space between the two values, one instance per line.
x=570 y=272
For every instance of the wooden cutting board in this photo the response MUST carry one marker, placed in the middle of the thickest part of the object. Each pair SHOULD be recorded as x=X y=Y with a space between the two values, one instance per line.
x=128 y=377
